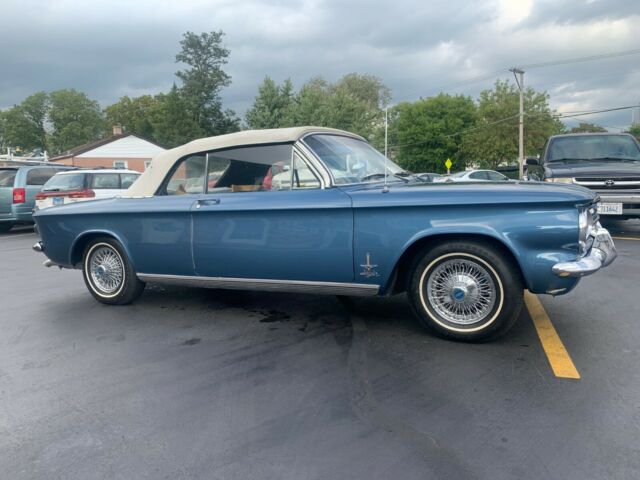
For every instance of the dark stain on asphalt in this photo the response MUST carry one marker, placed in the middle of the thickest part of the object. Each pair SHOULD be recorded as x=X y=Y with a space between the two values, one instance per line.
x=192 y=341
x=271 y=316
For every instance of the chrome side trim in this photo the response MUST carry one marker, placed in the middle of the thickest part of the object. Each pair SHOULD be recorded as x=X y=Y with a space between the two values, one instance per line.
x=293 y=286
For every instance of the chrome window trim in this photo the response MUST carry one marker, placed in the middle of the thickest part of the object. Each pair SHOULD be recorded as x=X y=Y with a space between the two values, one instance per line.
x=294 y=286
x=316 y=165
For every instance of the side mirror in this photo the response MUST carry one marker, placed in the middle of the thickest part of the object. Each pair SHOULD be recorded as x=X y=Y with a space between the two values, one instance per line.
x=531 y=161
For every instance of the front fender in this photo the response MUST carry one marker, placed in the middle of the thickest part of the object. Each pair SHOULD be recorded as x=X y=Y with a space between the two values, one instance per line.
x=537 y=237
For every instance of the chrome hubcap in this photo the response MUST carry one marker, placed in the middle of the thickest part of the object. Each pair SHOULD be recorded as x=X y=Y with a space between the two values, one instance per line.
x=106 y=269
x=461 y=291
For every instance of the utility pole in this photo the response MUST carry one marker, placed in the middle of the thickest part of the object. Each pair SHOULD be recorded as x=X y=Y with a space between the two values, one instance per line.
x=519 y=76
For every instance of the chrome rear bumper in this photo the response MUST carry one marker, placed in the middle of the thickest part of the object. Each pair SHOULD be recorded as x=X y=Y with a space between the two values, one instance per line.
x=601 y=254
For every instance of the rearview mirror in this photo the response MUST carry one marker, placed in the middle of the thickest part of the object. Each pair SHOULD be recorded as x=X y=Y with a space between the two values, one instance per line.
x=532 y=161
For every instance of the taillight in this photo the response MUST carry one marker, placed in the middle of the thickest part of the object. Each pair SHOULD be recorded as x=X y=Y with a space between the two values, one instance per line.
x=86 y=193
x=40 y=196
x=19 y=195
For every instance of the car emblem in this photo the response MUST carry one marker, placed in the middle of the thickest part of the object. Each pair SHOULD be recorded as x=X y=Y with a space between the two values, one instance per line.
x=609 y=183
x=369 y=270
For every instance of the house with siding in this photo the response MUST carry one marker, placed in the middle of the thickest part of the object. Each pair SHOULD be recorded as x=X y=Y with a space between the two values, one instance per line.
x=120 y=150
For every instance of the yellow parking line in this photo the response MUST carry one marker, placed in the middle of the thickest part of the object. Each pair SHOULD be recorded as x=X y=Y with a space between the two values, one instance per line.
x=626 y=238
x=559 y=358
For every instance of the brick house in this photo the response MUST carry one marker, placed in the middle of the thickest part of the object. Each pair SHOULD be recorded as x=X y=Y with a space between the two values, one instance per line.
x=120 y=150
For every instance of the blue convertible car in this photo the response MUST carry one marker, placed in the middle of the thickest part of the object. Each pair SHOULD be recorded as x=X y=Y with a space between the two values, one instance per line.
x=319 y=210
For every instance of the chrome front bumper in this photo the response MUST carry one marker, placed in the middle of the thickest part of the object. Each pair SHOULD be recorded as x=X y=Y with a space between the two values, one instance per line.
x=601 y=254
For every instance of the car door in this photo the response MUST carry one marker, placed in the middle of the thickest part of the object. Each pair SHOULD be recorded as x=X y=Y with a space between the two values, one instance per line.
x=266 y=215
x=479 y=176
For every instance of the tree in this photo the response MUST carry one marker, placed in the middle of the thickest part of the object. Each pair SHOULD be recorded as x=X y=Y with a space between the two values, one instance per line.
x=75 y=120
x=428 y=131
x=353 y=103
x=170 y=119
x=495 y=140
x=3 y=131
x=272 y=108
x=635 y=130
x=133 y=114
x=25 y=123
x=204 y=80
x=585 y=127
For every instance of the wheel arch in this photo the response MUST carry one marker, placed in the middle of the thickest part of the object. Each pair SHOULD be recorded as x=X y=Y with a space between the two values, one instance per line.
x=80 y=244
x=398 y=279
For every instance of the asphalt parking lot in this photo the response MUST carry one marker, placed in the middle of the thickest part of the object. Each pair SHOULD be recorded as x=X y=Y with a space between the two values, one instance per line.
x=191 y=383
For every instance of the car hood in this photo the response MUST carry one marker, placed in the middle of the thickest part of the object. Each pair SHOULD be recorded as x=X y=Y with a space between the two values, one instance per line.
x=593 y=168
x=467 y=193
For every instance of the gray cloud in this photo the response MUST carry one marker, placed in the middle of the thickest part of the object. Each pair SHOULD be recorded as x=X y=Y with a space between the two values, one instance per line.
x=119 y=47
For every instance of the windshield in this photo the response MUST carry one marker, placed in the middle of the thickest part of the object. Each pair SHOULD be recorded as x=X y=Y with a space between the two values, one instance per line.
x=351 y=160
x=587 y=147
x=458 y=174
x=66 y=181
x=7 y=177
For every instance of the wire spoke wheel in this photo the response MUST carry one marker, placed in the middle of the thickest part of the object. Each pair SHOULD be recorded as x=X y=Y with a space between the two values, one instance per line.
x=461 y=291
x=106 y=269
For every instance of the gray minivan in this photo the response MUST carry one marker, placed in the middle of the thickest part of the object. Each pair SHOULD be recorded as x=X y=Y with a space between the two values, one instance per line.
x=18 y=188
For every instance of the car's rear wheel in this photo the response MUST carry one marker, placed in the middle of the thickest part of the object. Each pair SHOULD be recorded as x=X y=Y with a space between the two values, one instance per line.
x=466 y=291
x=108 y=273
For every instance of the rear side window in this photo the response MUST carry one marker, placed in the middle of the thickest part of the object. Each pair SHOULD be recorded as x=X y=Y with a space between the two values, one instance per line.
x=65 y=182
x=127 y=179
x=103 y=181
x=7 y=177
x=39 y=176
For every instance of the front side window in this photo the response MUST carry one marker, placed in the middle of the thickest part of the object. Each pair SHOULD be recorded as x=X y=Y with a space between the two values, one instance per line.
x=351 y=160
x=497 y=177
x=102 y=181
x=65 y=182
x=127 y=179
x=478 y=176
x=187 y=177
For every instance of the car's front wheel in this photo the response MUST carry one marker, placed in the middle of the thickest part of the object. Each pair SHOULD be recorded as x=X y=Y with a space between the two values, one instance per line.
x=108 y=273
x=466 y=290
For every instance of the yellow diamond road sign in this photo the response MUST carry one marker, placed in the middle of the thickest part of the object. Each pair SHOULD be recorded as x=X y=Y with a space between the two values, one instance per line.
x=448 y=163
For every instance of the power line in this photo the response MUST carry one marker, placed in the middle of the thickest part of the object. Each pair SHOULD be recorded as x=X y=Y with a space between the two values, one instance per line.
x=589 y=58
x=502 y=120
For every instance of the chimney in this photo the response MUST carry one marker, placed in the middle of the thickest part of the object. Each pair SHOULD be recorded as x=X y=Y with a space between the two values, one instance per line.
x=117 y=129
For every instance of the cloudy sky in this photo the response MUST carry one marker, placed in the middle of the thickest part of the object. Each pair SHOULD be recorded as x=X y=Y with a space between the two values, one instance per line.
x=117 y=47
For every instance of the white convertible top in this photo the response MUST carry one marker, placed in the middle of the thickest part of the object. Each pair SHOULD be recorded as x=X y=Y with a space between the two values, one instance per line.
x=150 y=180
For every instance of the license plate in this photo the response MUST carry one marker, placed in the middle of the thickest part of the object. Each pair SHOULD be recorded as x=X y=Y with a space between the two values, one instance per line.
x=58 y=201
x=610 y=208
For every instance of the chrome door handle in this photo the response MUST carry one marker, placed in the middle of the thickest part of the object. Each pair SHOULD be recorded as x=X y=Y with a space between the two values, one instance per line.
x=208 y=201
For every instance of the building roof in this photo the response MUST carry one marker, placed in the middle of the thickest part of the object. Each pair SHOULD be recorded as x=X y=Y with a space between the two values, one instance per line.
x=79 y=150
x=153 y=176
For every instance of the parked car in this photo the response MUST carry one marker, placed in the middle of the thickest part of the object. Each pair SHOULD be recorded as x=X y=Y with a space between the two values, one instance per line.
x=18 y=188
x=607 y=163
x=463 y=252
x=473 y=176
x=80 y=185
x=428 y=177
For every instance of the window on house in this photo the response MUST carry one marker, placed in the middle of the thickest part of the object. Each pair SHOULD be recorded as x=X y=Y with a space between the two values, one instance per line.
x=120 y=164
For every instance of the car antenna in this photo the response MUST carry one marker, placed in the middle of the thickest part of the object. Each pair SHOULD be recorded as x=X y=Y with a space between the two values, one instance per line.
x=385 y=189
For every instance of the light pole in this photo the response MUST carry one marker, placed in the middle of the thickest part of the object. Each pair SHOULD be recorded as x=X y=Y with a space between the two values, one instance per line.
x=519 y=75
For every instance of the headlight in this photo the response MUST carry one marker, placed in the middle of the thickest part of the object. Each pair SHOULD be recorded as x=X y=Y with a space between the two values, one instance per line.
x=559 y=180
x=586 y=223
